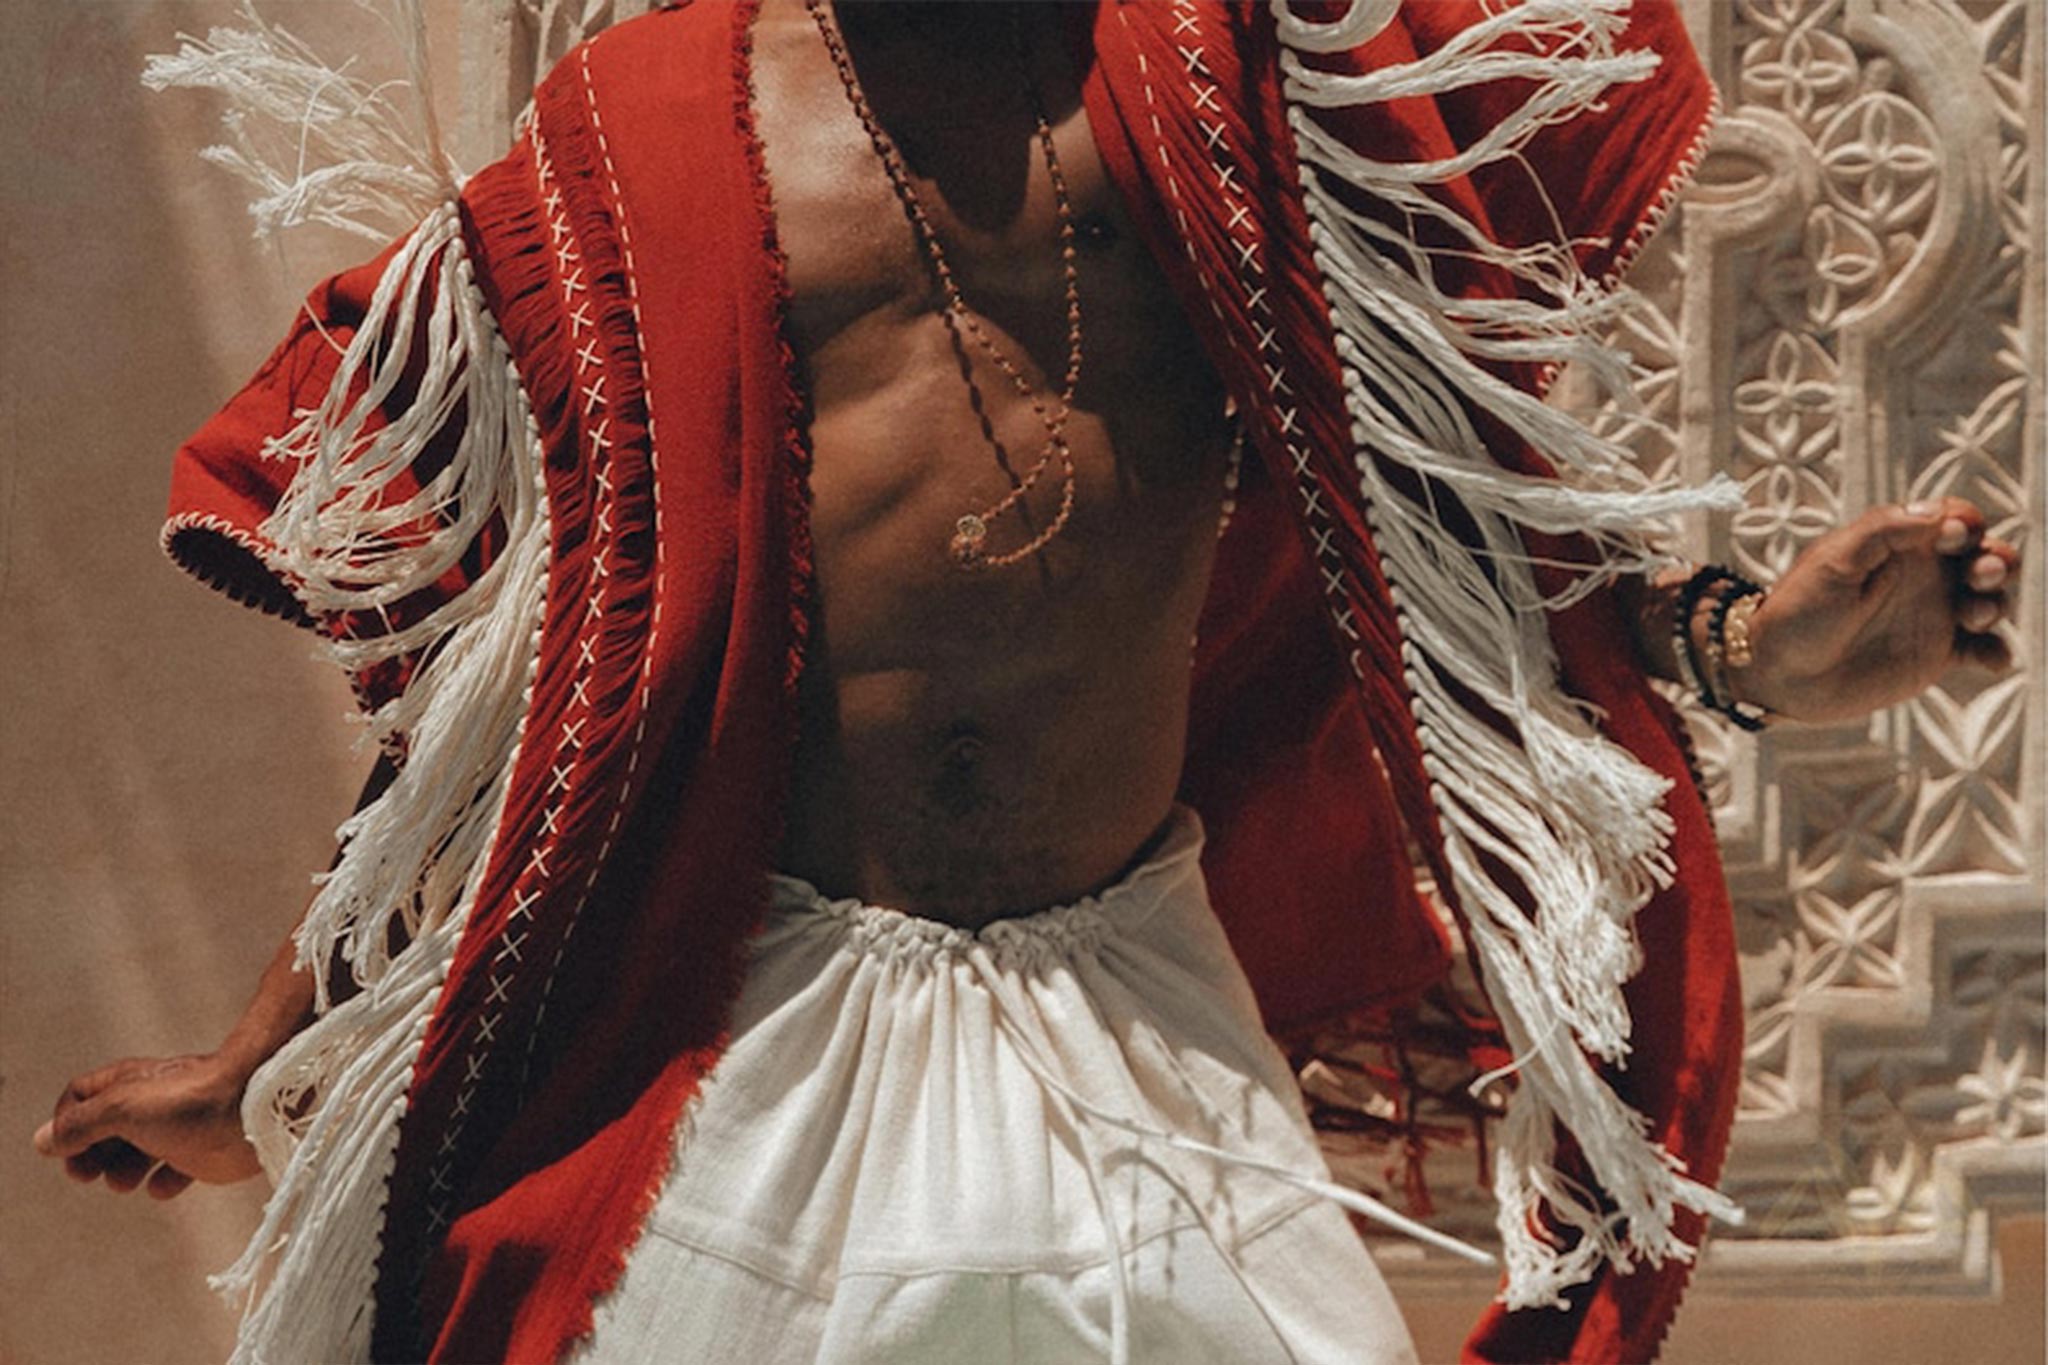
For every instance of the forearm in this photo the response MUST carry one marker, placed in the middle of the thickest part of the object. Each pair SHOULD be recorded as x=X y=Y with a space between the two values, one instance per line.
x=283 y=1002
x=167 y=1121
x=282 y=1005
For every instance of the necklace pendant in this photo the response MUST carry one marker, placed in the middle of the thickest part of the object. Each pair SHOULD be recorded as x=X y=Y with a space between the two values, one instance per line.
x=970 y=534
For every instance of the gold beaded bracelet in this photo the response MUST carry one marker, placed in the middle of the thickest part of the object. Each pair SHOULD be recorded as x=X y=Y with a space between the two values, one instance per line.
x=1729 y=644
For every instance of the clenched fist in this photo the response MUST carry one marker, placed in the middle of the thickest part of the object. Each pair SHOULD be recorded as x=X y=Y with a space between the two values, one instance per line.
x=156 y=1122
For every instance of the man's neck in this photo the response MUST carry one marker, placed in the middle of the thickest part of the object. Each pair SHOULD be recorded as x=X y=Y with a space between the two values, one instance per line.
x=940 y=24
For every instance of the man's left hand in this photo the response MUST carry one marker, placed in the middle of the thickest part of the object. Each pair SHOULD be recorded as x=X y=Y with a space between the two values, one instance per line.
x=1875 y=611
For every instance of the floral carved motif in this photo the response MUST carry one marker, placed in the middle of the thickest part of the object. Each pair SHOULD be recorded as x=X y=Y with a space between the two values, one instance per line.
x=1856 y=286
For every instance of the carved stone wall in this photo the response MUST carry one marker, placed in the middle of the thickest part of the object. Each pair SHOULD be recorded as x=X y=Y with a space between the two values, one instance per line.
x=1847 y=311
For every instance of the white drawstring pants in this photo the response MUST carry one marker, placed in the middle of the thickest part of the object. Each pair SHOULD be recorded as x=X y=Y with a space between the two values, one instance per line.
x=930 y=1144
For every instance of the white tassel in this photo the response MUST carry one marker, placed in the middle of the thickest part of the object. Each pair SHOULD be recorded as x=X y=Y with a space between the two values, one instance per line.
x=1359 y=24
x=1572 y=816
x=349 y=552
x=324 y=1111
x=317 y=144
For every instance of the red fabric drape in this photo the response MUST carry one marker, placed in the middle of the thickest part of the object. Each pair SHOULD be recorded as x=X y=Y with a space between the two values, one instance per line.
x=627 y=248
x=1191 y=122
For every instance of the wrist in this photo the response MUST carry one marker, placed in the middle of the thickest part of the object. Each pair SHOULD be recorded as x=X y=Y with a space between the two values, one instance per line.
x=1745 y=701
x=1756 y=677
x=230 y=1066
x=1712 y=657
x=1650 y=606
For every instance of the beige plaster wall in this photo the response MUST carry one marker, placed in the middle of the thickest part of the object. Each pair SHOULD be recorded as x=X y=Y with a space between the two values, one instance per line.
x=171 y=767
x=1719 y=1327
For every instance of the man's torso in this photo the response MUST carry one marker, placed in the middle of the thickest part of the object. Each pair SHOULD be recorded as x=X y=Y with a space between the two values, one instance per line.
x=979 y=742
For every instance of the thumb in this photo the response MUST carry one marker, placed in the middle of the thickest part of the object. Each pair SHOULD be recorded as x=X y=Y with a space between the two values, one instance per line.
x=78 y=1125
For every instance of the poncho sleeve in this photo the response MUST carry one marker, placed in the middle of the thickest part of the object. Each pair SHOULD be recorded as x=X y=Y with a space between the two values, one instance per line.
x=230 y=479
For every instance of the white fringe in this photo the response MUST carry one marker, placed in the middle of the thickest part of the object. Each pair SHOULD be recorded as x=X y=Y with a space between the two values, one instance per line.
x=1576 y=818
x=324 y=1111
x=317 y=144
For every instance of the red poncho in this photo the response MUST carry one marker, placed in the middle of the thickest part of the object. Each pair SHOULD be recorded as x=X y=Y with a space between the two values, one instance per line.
x=559 y=537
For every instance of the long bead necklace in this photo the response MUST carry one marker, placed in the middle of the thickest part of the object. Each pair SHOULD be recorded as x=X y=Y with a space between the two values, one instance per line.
x=968 y=546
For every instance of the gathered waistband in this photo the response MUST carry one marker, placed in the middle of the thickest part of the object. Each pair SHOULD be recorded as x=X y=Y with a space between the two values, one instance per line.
x=1073 y=997
x=1015 y=940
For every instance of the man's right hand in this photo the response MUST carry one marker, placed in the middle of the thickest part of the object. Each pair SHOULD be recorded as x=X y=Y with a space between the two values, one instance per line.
x=153 y=1122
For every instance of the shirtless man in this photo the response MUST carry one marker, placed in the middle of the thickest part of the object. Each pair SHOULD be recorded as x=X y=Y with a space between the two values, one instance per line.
x=956 y=727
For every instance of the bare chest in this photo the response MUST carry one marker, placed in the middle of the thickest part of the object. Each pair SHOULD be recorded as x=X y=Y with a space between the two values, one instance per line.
x=973 y=165
x=920 y=416
x=868 y=307
x=955 y=723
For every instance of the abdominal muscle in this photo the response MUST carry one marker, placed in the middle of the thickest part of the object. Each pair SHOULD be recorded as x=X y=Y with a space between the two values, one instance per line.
x=974 y=744
x=981 y=743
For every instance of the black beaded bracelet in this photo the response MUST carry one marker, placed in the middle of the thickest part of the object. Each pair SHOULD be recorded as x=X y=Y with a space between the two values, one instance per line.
x=1699 y=676
x=1755 y=717
x=1687 y=655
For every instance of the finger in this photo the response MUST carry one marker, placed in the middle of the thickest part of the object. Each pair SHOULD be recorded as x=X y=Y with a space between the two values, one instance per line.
x=91 y=1163
x=78 y=1124
x=84 y=1087
x=167 y=1182
x=1985 y=651
x=78 y=1090
x=1960 y=525
x=1980 y=613
x=125 y=1167
x=1987 y=572
x=2003 y=550
x=94 y=1162
x=1882 y=532
x=1955 y=536
x=1934 y=524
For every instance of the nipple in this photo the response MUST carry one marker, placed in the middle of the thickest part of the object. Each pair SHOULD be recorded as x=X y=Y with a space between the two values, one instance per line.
x=965 y=745
x=1096 y=229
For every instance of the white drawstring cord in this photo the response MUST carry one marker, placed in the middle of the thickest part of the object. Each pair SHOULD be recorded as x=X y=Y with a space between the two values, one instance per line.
x=1010 y=1016
x=1070 y=1102
x=1098 y=1185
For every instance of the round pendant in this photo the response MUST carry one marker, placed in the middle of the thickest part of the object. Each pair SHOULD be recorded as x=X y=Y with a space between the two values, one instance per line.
x=970 y=533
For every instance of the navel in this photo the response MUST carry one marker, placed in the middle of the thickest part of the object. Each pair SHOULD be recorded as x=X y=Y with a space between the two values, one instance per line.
x=959 y=787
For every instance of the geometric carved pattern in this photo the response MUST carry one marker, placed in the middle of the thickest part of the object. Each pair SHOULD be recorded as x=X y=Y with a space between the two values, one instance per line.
x=1846 y=311
x=1856 y=291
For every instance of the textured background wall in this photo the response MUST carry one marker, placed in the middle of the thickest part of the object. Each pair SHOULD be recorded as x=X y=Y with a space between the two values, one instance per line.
x=1857 y=296
x=171 y=767
x=1855 y=293
x=1848 y=311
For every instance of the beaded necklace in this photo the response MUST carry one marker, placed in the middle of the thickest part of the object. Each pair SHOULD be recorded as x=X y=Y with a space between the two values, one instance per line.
x=968 y=546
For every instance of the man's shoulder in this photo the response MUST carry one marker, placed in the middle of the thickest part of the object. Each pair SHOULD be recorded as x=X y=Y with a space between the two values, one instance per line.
x=688 y=40
x=640 y=83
